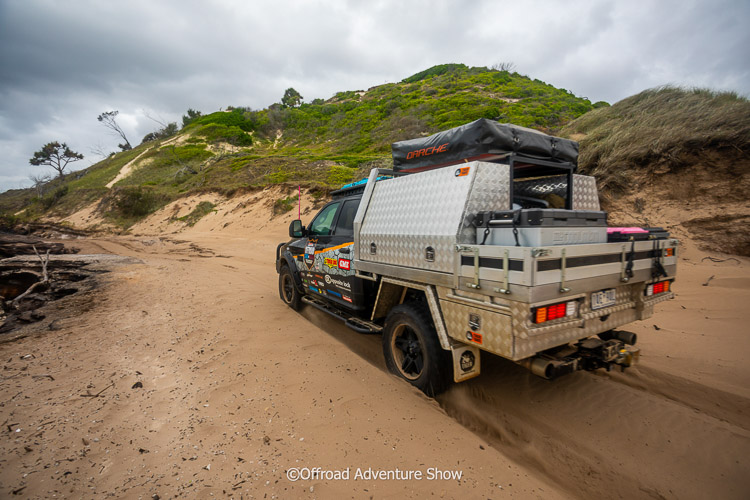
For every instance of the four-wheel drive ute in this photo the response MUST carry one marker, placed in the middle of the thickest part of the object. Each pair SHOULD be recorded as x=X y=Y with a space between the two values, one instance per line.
x=481 y=238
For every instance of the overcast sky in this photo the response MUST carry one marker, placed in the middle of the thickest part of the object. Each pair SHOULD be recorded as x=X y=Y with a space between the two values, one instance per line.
x=64 y=62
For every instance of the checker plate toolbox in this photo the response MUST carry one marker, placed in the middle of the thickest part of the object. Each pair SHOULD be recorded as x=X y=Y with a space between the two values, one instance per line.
x=482 y=238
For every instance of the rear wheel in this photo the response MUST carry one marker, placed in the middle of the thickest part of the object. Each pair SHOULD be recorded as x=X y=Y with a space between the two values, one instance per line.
x=287 y=290
x=412 y=350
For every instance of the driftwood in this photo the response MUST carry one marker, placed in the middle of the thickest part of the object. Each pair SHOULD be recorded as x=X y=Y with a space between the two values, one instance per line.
x=43 y=283
x=98 y=394
x=18 y=244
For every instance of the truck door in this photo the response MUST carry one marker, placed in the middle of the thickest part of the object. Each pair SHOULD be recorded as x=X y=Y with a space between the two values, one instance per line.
x=329 y=250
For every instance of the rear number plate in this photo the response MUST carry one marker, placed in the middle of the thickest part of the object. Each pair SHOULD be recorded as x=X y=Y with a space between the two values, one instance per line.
x=605 y=298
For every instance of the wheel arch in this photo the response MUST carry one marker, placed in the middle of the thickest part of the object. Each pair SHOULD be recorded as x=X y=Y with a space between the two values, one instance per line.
x=392 y=292
x=287 y=260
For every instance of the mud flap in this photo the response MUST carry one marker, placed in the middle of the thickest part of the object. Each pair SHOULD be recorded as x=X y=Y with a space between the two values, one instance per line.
x=466 y=362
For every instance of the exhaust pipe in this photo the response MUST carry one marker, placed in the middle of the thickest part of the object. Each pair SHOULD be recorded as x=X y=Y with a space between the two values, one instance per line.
x=629 y=338
x=541 y=367
x=549 y=368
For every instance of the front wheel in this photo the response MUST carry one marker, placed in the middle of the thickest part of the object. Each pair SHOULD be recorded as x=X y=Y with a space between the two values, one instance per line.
x=287 y=290
x=412 y=350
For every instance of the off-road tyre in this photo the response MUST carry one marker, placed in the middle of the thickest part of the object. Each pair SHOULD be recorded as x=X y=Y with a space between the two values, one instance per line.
x=412 y=350
x=288 y=290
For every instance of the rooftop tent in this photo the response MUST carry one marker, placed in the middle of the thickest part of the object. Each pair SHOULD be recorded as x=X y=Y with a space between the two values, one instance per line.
x=482 y=139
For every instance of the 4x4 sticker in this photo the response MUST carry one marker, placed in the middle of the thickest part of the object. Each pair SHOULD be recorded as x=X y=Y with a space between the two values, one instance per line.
x=331 y=263
x=339 y=283
x=310 y=254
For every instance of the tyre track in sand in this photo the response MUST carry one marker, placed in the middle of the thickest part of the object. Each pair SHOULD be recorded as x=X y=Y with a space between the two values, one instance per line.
x=639 y=434
x=645 y=433
x=590 y=433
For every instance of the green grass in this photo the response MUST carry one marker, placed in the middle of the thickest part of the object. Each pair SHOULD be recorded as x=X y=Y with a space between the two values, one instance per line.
x=165 y=167
x=202 y=209
x=128 y=204
x=284 y=205
x=665 y=128
x=215 y=132
x=234 y=118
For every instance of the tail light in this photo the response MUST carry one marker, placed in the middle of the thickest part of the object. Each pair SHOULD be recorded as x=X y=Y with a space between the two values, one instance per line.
x=657 y=288
x=555 y=311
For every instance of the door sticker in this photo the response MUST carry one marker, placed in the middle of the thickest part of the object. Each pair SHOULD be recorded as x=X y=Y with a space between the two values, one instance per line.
x=310 y=254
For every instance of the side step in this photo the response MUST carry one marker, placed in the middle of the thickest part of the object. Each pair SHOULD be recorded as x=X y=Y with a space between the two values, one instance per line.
x=356 y=324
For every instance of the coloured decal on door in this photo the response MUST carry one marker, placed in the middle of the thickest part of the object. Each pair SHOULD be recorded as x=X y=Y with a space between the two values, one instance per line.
x=329 y=272
x=310 y=254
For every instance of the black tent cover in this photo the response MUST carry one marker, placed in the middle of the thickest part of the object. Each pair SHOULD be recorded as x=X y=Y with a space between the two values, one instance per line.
x=480 y=139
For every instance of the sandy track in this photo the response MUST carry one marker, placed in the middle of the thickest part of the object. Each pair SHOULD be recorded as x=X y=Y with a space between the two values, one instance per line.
x=237 y=389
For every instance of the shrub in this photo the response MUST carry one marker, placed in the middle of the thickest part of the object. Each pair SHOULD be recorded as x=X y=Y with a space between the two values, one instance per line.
x=338 y=175
x=138 y=201
x=234 y=118
x=52 y=198
x=284 y=205
x=215 y=132
x=202 y=209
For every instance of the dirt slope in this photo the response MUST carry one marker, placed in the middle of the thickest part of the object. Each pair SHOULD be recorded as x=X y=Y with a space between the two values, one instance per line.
x=237 y=389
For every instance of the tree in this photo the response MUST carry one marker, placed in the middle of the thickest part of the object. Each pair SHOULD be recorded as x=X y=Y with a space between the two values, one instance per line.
x=169 y=130
x=190 y=117
x=108 y=120
x=291 y=98
x=504 y=66
x=39 y=182
x=55 y=155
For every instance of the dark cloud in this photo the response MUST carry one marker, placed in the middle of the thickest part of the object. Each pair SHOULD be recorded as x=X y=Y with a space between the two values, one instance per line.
x=63 y=63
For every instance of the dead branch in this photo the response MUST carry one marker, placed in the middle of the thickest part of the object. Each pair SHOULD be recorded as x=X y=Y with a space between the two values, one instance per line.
x=45 y=278
x=98 y=394
x=184 y=167
x=715 y=259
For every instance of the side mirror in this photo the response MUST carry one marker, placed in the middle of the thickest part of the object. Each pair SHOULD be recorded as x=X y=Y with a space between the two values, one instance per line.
x=296 y=229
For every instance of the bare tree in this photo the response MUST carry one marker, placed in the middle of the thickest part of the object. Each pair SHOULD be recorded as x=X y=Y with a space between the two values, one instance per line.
x=184 y=169
x=504 y=66
x=39 y=182
x=98 y=150
x=159 y=120
x=55 y=155
x=108 y=119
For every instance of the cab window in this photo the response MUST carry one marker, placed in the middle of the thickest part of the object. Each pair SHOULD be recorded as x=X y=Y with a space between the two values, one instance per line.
x=321 y=226
x=345 y=224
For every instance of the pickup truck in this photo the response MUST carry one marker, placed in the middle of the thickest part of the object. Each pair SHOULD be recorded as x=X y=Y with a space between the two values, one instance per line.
x=480 y=239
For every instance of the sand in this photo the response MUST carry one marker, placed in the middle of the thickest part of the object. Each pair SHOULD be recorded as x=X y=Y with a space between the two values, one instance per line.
x=237 y=389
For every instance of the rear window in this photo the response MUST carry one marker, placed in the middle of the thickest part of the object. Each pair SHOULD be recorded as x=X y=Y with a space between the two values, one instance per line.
x=345 y=225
